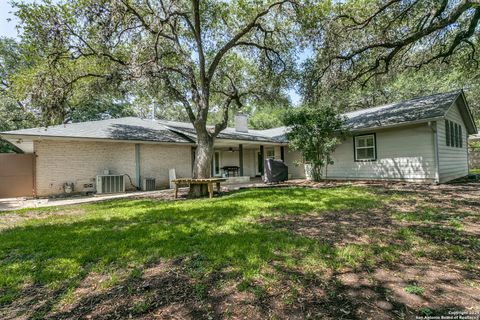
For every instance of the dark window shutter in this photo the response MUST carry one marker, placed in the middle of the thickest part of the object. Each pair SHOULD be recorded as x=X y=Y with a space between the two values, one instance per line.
x=447 y=133
x=455 y=132
x=457 y=137
x=452 y=134
x=461 y=136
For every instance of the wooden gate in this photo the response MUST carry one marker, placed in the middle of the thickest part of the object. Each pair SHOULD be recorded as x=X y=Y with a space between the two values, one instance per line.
x=17 y=175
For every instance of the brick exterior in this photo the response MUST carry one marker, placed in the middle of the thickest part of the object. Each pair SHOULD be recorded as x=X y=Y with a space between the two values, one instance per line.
x=79 y=162
x=157 y=160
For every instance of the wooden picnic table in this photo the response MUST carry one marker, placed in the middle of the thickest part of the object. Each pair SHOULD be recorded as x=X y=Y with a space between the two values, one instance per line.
x=189 y=181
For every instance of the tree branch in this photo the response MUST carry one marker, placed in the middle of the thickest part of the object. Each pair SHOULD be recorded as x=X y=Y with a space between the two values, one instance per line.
x=246 y=29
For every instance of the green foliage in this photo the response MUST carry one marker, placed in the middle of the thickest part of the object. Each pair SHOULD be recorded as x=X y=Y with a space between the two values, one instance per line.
x=414 y=289
x=269 y=114
x=100 y=108
x=13 y=116
x=138 y=55
x=315 y=132
x=351 y=65
x=13 y=113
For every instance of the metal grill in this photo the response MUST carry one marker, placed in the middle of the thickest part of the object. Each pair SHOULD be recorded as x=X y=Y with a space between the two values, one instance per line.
x=110 y=184
x=148 y=184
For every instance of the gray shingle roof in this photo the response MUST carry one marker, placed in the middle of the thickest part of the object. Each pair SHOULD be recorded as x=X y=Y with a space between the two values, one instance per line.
x=128 y=128
x=228 y=133
x=136 y=129
x=412 y=110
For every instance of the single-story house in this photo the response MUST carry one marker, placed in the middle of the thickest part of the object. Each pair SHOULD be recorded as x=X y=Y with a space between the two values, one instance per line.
x=422 y=140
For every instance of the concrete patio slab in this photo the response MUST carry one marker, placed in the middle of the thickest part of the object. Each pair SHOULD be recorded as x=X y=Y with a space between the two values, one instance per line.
x=23 y=203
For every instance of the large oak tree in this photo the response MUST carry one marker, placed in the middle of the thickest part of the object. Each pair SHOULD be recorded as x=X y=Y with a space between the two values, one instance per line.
x=207 y=56
x=362 y=41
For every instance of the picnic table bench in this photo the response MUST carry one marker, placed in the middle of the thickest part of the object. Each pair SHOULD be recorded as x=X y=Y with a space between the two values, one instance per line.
x=209 y=182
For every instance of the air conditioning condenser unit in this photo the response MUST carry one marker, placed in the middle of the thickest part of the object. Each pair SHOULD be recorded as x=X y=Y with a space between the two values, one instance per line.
x=110 y=184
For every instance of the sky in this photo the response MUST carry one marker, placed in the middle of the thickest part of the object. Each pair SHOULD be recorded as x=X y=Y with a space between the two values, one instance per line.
x=8 y=29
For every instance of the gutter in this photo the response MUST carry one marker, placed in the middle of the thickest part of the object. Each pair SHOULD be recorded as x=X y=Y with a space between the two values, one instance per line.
x=32 y=137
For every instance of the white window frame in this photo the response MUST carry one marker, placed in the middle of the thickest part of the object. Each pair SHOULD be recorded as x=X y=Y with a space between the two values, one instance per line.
x=356 y=148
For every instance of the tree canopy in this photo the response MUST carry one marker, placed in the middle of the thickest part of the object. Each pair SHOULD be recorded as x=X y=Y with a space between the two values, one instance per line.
x=201 y=61
x=315 y=131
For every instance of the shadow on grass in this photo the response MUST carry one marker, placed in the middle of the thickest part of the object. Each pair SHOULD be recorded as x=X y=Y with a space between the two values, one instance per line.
x=56 y=254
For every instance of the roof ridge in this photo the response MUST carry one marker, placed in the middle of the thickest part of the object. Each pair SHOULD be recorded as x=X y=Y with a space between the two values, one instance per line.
x=458 y=91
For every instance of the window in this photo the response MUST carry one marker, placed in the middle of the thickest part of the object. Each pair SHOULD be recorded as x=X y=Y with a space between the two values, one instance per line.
x=365 y=147
x=453 y=134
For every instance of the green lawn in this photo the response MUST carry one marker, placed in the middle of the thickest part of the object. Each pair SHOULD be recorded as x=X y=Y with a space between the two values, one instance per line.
x=474 y=171
x=259 y=240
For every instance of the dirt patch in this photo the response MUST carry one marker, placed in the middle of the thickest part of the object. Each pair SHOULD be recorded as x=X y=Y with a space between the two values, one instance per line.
x=9 y=220
x=436 y=269
x=424 y=250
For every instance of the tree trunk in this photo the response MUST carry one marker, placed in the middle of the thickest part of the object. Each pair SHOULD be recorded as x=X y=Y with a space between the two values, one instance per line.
x=202 y=164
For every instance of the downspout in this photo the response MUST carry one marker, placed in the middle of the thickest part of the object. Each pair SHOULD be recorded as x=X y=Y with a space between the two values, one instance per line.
x=433 y=127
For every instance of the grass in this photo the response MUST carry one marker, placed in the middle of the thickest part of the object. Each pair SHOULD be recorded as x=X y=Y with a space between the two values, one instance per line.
x=414 y=289
x=474 y=171
x=59 y=251
x=232 y=234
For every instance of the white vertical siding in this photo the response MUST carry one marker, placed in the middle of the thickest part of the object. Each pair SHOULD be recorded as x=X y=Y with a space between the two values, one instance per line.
x=228 y=158
x=249 y=162
x=404 y=153
x=453 y=161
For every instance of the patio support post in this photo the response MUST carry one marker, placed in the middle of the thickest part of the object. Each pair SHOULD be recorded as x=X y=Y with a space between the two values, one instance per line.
x=212 y=169
x=240 y=158
x=137 y=166
x=262 y=159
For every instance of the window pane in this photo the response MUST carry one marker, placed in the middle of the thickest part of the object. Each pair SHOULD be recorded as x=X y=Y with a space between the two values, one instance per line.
x=365 y=154
x=360 y=142
x=369 y=153
x=361 y=154
x=370 y=142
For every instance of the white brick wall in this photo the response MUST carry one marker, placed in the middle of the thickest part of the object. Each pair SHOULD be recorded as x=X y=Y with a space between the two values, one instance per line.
x=79 y=162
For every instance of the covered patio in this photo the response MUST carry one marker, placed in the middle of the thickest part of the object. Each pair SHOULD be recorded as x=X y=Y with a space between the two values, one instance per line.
x=239 y=161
